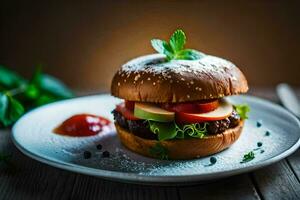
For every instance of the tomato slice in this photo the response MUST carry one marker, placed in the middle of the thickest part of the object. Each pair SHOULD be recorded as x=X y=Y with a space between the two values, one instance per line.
x=195 y=107
x=223 y=111
x=127 y=113
x=208 y=106
x=181 y=107
x=129 y=105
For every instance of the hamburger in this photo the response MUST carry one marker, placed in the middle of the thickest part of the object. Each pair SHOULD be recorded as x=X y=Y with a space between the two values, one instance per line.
x=175 y=103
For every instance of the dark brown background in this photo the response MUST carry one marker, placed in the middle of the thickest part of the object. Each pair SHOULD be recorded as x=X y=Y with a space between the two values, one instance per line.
x=84 y=43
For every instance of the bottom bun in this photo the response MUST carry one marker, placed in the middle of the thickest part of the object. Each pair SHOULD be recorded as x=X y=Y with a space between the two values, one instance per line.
x=181 y=148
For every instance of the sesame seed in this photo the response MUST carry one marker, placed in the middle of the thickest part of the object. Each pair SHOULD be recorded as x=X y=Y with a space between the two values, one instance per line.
x=154 y=83
x=142 y=81
x=188 y=96
x=149 y=79
x=119 y=83
x=200 y=89
x=192 y=82
x=124 y=80
x=136 y=77
x=182 y=79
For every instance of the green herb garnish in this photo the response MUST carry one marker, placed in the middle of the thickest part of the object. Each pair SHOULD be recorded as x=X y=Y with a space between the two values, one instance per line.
x=166 y=131
x=18 y=95
x=174 y=50
x=242 y=110
x=159 y=151
x=248 y=157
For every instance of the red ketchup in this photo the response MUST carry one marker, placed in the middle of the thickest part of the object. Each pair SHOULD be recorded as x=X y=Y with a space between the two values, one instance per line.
x=82 y=125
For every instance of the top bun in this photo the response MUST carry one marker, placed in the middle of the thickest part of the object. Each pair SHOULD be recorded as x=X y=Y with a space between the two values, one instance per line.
x=150 y=79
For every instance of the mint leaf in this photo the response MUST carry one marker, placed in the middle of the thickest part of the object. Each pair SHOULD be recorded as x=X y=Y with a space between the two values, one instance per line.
x=10 y=109
x=177 y=40
x=159 y=151
x=9 y=79
x=174 y=50
x=162 y=47
x=242 y=110
x=189 y=54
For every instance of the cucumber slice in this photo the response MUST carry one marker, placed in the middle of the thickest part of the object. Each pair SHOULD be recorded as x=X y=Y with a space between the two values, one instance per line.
x=152 y=112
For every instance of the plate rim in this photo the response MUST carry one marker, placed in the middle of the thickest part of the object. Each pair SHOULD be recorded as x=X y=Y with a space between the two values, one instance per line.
x=146 y=179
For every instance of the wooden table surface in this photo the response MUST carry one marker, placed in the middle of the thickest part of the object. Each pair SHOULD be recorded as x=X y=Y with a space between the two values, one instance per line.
x=34 y=180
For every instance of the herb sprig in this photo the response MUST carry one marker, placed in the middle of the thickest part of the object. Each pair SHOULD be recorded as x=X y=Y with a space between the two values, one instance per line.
x=174 y=50
x=248 y=157
x=18 y=95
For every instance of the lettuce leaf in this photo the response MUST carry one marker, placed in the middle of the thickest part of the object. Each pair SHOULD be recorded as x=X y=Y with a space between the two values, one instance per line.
x=167 y=131
x=242 y=110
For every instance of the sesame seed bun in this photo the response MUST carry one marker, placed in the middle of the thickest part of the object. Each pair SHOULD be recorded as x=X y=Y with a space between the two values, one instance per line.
x=150 y=79
x=182 y=148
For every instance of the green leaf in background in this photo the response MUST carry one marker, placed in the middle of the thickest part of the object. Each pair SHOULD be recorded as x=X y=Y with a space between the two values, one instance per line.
x=18 y=94
x=43 y=89
x=44 y=99
x=10 y=109
x=55 y=87
x=242 y=110
x=177 y=40
x=33 y=87
x=9 y=79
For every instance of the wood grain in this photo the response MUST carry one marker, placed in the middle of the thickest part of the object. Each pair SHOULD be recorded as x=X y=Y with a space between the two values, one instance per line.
x=294 y=163
x=277 y=181
x=237 y=187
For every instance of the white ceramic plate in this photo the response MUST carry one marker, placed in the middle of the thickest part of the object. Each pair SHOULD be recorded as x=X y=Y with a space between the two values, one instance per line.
x=33 y=135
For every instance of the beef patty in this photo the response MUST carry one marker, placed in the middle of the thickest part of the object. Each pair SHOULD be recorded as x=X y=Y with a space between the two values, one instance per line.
x=141 y=127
